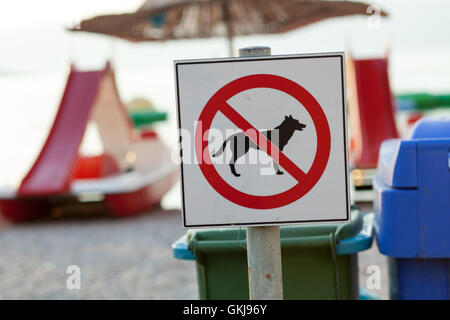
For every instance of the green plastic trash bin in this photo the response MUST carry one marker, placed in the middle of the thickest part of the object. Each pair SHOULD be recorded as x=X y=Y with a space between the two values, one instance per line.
x=318 y=261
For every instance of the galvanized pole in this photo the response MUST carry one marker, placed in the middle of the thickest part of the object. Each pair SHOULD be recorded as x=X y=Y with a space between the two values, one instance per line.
x=263 y=243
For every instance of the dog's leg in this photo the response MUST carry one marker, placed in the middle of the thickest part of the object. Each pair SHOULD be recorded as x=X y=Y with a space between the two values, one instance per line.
x=233 y=170
x=277 y=168
x=234 y=148
x=280 y=146
x=274 y=137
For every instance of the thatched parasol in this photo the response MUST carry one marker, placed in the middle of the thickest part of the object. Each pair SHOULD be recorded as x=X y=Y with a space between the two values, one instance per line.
x=159 y=20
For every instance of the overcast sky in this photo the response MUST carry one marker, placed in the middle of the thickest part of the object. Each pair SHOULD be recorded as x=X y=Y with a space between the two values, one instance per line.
x=33 y=36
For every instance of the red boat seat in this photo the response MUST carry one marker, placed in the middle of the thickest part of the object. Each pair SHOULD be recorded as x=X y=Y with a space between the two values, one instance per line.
x=95 y=167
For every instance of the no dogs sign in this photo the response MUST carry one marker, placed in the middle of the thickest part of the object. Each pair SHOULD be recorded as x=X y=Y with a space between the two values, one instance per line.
x=263 y=140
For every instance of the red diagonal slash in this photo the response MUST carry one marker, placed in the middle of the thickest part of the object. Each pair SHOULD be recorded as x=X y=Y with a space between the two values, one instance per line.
x=262 y=142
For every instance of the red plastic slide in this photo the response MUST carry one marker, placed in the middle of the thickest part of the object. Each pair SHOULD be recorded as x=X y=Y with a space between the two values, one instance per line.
x=52 y=171
x=371 y=110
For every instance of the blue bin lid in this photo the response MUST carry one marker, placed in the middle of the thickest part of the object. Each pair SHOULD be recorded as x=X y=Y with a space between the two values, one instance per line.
x=431 y=127
x=397 y=164
x=355 y=243
x=397 y=161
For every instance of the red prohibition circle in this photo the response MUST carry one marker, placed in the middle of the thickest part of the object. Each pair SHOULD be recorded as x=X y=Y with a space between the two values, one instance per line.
x=289 y=87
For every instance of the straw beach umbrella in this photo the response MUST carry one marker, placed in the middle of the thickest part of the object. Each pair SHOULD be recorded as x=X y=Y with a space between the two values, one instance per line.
x=160 y=20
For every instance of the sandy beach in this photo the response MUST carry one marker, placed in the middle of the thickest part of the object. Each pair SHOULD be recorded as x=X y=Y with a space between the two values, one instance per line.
x=119 y=259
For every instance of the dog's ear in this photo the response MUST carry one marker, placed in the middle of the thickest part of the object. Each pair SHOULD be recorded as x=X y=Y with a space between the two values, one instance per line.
x=290 y=116
x=285 y=117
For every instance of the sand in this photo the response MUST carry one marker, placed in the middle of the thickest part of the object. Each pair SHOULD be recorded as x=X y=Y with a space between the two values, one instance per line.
x=119 y=259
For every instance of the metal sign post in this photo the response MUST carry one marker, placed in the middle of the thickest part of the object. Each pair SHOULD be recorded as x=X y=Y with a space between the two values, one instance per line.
x=264 y=263
x=263 y=243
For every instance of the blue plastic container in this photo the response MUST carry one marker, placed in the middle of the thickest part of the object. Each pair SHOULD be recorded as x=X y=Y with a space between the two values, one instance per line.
x=412 y=207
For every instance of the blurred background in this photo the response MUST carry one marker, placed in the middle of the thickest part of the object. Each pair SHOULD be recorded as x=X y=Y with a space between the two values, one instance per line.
x=132 y=258
x=36 y=51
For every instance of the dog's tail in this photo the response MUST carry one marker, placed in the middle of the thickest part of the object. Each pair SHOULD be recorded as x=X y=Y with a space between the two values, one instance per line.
x=222 y=148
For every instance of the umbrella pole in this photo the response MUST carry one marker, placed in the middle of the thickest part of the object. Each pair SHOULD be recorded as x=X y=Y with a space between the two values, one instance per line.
x=230 y=45
x=229 y=27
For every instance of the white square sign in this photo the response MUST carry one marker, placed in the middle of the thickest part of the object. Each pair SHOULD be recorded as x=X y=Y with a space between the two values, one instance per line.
x=263 y=140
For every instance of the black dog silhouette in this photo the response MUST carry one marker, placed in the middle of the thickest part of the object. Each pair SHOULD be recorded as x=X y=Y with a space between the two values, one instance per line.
x=240 y=143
